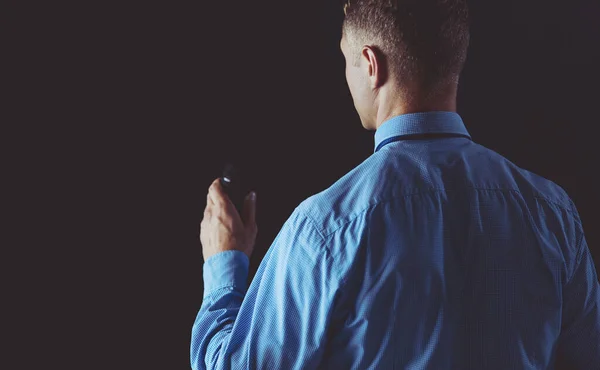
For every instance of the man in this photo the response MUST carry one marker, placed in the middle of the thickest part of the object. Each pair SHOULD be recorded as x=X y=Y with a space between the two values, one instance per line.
x=434 y=253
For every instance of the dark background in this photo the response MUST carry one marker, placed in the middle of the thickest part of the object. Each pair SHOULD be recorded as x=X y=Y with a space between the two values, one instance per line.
x=132 y=109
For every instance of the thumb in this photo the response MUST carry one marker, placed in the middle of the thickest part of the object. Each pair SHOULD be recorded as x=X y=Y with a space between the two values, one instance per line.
x=249 y=213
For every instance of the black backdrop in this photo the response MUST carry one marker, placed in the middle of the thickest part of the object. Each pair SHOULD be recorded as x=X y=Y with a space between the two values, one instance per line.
x=138 y=105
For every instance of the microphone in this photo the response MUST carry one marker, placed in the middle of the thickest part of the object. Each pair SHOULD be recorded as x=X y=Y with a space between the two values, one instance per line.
x=231 y=181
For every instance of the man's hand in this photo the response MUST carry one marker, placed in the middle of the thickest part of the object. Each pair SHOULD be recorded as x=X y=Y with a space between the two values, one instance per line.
x=222 y=229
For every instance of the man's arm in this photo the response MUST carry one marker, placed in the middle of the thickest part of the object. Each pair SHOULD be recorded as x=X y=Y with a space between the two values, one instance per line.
x=579 y=342
x=281 y=323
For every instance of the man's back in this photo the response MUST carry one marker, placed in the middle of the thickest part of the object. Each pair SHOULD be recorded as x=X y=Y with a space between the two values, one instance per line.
x=454 y=258
x=434 y=253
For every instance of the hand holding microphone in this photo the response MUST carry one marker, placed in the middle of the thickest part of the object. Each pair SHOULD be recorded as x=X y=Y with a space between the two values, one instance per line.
x=232 y=184
x=224 y=227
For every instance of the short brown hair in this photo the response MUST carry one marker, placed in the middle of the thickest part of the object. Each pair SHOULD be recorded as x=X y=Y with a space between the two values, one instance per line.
x=424 y=41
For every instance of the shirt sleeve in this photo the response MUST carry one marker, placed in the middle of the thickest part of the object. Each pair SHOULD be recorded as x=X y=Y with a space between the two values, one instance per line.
x=282 y=321
x=579 y=342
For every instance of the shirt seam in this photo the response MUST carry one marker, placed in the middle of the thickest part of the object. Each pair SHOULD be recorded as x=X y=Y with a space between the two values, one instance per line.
x=324 y=243
x=433 y=190
x=314 y=224
x=562 y=206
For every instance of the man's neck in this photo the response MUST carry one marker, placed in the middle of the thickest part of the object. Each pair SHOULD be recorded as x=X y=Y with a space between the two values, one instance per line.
x=393 y=106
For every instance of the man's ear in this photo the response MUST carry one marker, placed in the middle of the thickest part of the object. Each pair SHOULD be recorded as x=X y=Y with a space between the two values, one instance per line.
x=375 y=64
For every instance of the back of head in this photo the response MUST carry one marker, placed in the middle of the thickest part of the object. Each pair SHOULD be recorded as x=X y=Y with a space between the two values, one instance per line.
x=424 y=41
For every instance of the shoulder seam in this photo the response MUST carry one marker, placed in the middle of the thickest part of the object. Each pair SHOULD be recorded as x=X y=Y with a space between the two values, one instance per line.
x=431 y=190
x=313 y=222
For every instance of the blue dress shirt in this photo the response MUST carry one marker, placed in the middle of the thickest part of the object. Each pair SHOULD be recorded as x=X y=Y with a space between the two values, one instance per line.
x=433 y=253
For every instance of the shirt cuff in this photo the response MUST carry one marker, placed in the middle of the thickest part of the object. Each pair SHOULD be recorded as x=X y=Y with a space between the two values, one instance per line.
x=225 y=269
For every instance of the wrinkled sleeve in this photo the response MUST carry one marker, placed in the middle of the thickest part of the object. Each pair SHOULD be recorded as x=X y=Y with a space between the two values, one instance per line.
x=579 y=342
x=281 y=321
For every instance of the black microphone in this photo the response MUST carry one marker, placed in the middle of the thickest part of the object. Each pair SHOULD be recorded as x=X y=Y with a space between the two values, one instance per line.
x=231 y=181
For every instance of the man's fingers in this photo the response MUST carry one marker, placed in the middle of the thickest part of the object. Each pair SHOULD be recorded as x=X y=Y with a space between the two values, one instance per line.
x=207 y=210
x=216 y=194
x=209 y=205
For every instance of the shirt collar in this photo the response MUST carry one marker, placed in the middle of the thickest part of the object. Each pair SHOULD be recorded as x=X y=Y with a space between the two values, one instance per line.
x=420 y=123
